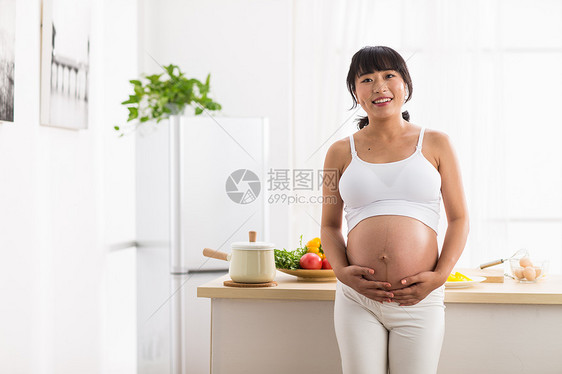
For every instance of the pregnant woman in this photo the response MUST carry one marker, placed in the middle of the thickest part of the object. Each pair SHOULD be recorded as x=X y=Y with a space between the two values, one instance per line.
x=392 y=175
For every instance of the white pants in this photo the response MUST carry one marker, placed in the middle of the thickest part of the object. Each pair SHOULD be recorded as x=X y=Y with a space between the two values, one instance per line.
x=377 y=338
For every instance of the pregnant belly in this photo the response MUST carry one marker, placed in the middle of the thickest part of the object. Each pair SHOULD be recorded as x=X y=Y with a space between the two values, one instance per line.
x=394 y=246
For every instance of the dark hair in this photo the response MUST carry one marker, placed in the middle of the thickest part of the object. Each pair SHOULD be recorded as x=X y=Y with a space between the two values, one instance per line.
x=369 y=59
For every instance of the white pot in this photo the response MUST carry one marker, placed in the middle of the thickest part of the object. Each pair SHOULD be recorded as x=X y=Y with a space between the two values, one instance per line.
x=250 y=262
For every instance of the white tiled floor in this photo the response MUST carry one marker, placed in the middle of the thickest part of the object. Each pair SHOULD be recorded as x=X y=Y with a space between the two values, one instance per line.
x=154 y=290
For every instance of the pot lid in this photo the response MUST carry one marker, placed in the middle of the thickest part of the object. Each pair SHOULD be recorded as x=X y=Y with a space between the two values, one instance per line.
x=252 y=244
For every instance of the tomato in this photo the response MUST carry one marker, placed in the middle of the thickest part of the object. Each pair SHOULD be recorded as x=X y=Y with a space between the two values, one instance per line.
x=326 y=264
x=313 y=243
x=311 y=261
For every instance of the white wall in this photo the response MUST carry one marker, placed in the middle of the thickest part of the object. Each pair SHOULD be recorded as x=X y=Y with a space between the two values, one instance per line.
x=246 y=45
x=64 y=197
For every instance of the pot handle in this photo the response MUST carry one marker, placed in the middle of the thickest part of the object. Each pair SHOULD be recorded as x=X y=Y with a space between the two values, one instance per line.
x=213 y=253
x=252 y=235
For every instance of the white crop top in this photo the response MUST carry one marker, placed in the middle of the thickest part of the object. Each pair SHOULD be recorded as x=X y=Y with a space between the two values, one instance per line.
x=410 y=187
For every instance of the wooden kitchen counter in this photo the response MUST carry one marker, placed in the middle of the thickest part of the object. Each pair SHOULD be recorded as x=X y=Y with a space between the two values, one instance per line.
x=546 y=291
x=253 y=327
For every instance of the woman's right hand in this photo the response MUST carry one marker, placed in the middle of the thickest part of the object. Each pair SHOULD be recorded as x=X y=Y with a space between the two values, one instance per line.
x=362 y=279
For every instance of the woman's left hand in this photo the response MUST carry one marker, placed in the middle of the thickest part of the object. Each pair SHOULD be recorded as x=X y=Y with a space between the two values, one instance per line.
x=417 y=287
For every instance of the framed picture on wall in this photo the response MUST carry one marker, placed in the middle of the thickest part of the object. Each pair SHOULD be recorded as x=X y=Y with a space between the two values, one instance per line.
x=65 y=63
x=7 y=59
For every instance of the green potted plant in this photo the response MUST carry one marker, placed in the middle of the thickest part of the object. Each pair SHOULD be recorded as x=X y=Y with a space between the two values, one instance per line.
x=159 y=96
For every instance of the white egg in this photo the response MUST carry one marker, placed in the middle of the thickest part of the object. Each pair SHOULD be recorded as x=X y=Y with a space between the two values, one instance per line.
x=525 y=261
x=530 y=273
x=538 y=271
x=518 y=272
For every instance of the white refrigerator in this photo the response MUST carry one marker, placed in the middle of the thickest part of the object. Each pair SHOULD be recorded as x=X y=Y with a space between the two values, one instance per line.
x=222 y=188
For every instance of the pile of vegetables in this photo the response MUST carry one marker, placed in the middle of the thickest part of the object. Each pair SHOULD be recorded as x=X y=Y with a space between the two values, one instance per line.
x=310 y=256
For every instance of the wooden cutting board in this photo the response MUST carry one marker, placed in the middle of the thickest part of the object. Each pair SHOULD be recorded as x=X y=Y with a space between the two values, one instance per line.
x=492 y=274
x=231 y=283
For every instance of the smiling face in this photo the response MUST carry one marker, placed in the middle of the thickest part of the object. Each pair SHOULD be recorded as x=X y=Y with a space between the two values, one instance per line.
x=377 y=72
x=381 y=93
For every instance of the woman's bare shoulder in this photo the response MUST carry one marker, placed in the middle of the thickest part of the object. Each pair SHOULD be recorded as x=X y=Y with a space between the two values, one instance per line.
x=338 y=153
x=438 y=144
x=341 y=145
x=436 y=139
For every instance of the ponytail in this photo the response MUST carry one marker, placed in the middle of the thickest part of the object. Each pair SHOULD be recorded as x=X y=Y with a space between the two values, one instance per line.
x=364 y=121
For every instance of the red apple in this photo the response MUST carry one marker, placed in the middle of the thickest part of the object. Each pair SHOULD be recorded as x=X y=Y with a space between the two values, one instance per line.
x=326 y=264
